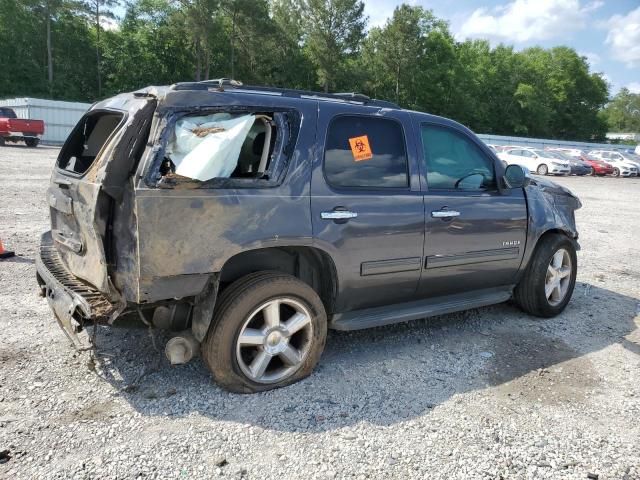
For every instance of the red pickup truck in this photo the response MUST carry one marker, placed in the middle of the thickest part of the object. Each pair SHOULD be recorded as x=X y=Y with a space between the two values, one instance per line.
x=14 y=129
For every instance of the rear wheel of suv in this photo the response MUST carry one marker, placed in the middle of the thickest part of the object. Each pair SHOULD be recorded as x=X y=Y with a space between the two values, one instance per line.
x=548 y=282
x=542 y=169
x=269 y=331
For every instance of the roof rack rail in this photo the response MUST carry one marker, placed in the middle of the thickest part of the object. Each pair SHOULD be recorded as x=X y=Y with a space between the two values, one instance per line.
x=206 y=84
x=352 y=96
x=221 y=83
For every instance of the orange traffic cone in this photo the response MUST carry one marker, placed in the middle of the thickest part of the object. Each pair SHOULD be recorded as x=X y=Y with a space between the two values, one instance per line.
x=5 y=253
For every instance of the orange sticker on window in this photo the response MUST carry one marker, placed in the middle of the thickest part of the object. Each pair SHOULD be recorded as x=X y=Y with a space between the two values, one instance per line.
x=360 y=148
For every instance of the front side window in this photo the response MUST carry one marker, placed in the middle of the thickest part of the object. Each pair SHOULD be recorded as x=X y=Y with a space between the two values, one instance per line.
x=453 y=162
x=365 y=152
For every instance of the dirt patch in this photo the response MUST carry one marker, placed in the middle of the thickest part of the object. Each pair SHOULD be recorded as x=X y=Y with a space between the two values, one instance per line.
x=96 y=412
x=10 y=357
x=533 y=367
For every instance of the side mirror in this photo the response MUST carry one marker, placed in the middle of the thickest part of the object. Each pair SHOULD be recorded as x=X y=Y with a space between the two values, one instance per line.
x=516 y=176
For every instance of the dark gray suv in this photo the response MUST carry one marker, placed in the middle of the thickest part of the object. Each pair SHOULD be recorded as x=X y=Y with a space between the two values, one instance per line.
x=251 y=219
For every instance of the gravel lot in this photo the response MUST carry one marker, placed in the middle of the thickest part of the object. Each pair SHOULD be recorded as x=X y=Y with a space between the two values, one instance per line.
x=489 y=393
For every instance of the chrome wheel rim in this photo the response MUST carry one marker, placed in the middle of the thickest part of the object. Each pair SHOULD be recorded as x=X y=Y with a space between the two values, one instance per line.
x=275 y=340
x=542 y=169
x=558 y=277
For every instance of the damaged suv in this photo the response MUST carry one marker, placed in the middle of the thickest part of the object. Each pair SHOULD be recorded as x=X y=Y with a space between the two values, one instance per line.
x=252 y=219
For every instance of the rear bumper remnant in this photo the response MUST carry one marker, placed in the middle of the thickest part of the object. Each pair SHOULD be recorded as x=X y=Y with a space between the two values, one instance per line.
x=73 y=301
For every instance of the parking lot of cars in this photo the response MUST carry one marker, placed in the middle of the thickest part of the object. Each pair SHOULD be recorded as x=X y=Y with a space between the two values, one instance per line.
x=570 y=161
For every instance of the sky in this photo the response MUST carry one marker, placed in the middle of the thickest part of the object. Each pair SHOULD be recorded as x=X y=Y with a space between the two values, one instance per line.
x=607 y=33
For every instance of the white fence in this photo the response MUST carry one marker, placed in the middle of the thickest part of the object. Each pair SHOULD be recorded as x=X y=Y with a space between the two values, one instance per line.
x=59 y=117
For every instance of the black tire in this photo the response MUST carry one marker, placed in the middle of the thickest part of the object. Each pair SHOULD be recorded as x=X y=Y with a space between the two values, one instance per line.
x=2 y=142
x=32 y=142
x=616 y=172
x=530 y=294
x=235 y=306
x=542 y=169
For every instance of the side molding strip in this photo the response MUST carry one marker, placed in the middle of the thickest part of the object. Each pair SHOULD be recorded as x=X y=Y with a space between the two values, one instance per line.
x=481 y=256
x=390 y=266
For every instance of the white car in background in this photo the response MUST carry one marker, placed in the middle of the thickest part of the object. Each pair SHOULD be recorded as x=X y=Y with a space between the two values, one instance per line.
x=621 y=166
x=572 y=152
x=536 y=160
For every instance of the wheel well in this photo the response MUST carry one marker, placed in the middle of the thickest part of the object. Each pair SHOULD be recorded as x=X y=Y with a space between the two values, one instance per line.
x=553 y=231
x=309 y=264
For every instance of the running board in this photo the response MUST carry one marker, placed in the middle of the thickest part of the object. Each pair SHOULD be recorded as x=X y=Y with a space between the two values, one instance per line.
x=403 y=312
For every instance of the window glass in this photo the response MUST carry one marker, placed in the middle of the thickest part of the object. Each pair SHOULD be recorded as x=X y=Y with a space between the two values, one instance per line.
x=7 y=113
x=365 y=152
x=454 y=162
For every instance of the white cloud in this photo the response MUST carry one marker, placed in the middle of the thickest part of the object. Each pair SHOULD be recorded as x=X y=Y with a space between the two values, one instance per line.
x=525 y=20
x=633 y=87
x=624 y=37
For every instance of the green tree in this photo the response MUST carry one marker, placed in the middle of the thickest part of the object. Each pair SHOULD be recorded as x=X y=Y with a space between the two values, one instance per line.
x=98 y=12
x=622 y=113
x=334 y=30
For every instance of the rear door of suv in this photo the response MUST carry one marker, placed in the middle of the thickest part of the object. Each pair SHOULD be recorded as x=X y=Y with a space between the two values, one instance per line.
x=474 y=233
x=366 y=205
x=93 y=165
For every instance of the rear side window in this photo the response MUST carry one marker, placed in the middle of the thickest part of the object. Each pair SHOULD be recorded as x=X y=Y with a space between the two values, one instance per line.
x=365 y=152
x=454 y=162
x=87 y=139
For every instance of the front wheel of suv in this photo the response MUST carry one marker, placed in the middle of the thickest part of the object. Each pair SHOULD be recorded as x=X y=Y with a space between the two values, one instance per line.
x=548 y=282
x=268 y=331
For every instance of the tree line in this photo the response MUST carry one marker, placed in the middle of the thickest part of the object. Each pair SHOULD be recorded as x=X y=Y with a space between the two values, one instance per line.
x=78 y=50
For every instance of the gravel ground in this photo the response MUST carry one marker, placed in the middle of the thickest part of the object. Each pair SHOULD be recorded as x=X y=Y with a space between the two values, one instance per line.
x=489 y=393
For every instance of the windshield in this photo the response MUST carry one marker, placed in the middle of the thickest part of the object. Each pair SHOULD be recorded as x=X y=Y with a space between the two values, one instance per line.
x=7 y=113
x=543 y=154
x=563 y=156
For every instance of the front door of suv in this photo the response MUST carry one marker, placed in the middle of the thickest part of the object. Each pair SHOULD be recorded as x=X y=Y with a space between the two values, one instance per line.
x=475 y=234
x=366 y=204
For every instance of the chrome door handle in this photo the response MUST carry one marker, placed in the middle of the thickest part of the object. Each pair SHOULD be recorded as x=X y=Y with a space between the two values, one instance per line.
x=338 y=215
x=445 y=214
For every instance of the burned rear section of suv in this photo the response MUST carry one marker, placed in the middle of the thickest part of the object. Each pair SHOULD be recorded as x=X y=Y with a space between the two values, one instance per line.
x=145 y=203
